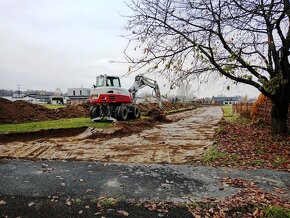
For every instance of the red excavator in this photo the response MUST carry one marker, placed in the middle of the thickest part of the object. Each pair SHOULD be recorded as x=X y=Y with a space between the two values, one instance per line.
x=110 y=101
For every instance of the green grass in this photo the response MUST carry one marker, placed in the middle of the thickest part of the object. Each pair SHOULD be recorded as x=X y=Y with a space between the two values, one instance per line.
x=106 y=202
x=213 y=154
x=53 y=106
x=228 y=110
x=77 y=201
x=51 y=124
x=279 y=161
x=257 y=162
x=276 y=212
x=228 y=113
x=232 y=117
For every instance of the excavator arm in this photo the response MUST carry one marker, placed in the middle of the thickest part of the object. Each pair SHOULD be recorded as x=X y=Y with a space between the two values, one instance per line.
x=142 y=81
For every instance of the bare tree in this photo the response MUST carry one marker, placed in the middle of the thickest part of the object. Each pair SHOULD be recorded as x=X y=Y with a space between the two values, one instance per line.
x=247 y=41
x=183 y=90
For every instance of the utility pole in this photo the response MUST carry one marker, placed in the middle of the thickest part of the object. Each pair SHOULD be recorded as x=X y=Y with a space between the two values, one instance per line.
x=18 y=90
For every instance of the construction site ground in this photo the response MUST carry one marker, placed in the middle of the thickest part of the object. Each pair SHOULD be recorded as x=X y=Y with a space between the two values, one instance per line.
x=183 y=139
x=141 y=165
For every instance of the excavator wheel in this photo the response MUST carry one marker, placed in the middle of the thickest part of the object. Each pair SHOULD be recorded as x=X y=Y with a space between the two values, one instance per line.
x=94 y=111
x=135 y=112
x=121 y=113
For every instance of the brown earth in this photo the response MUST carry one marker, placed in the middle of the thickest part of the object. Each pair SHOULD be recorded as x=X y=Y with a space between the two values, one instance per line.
x=21 y=111
x=183 y=140
x=27 y=144
x=167 y=107
x=42 y=134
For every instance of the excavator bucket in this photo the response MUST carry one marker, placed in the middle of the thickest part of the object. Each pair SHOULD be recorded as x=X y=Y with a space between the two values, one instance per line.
x=98 y=113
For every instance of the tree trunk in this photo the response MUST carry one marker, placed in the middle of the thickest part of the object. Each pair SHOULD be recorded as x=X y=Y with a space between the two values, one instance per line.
x=280 y=111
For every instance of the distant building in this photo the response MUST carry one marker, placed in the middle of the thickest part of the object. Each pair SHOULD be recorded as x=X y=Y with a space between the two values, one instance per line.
x=78 y=95
x=37 y=99
x=31 y=98
x=226 y=100
x=58 y=100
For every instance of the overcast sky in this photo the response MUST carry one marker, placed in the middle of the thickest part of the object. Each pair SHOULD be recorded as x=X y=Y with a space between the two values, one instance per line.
x=49 y=44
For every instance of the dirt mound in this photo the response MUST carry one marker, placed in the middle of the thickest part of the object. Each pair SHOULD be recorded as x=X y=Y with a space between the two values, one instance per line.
x=21 y=111
x=157 y=115
x=166 y=106
x=124 y=128
x=72 y=112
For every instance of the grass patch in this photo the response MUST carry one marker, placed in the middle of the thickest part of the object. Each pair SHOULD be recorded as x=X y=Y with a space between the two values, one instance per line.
x=279 y=161
x=53 y=106
x=77 y=201
x=232 y=117
x=228 y=113
x=219 y=130
x=106 y=202
x=257 y=163
x=51 y=124
x=276 y=212
x=260 y=148
x=234 y=156
x=213 y=154
x=228 y=110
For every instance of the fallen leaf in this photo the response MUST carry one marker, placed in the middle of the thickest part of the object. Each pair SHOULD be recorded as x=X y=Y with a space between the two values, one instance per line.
x=256 y=212
x=31 y=203
x=68 y=201
x=2 y=202
x=124 y=213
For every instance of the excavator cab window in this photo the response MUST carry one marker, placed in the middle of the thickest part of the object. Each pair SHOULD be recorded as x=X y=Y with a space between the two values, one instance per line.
x=108 y=81
x=100 y=81
x=113 y=81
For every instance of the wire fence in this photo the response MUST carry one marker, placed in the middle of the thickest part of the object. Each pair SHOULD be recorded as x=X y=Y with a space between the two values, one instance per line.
x=244 y=109
x=263 y=111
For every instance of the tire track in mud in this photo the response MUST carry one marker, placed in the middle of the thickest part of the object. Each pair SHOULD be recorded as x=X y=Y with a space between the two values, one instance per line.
x=182 y=141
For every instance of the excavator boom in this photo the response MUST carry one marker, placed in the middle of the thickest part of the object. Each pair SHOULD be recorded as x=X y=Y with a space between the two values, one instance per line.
x=142 y=81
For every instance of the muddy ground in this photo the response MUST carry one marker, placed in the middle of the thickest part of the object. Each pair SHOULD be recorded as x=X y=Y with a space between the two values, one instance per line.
x=183 y=140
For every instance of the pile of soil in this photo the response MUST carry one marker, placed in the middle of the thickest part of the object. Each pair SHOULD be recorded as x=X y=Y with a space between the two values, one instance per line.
x=124 y=128
x=157 y=115
x=147 y=109
x=21 y=111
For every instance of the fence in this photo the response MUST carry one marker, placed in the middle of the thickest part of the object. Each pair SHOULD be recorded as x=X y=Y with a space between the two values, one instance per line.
x=244 y=109
x=263 y=110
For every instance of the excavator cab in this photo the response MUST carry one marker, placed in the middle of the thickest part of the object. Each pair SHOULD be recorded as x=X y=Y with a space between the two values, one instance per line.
x=111 y=81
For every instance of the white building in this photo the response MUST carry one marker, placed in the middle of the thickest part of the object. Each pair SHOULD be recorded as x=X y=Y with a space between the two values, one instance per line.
x=78 y=93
